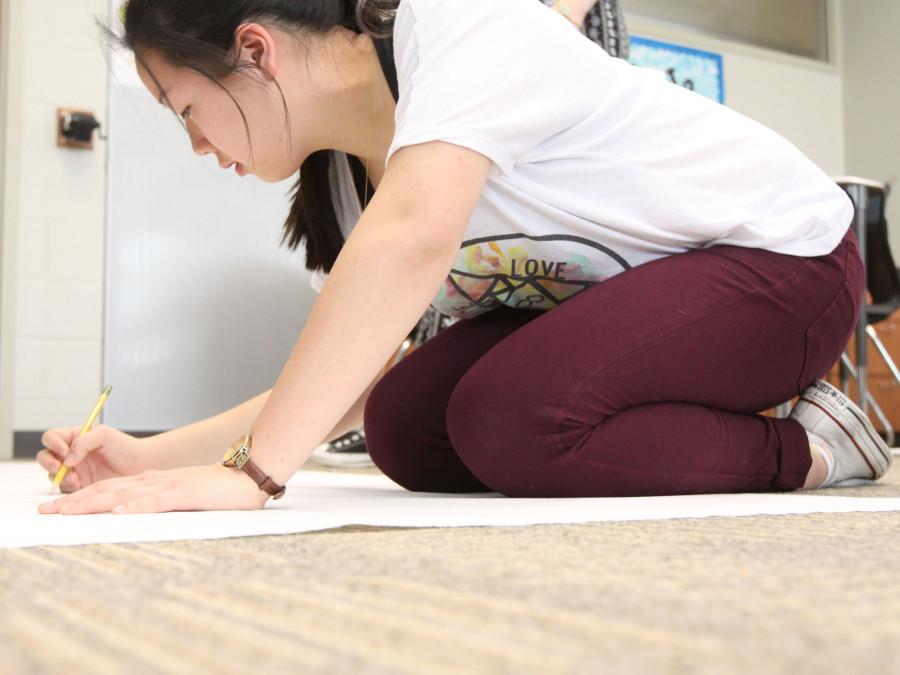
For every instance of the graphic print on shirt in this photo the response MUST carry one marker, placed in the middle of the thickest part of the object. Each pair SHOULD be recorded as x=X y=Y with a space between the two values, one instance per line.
x=524 y=272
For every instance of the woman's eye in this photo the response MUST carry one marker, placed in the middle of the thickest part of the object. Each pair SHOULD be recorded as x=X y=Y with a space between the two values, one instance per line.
x=186 y=113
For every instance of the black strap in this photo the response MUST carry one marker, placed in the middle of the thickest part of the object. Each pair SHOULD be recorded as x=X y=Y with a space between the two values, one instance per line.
x=384 y=47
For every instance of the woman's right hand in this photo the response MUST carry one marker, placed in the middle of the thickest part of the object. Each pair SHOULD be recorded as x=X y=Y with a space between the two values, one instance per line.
x=103 y=452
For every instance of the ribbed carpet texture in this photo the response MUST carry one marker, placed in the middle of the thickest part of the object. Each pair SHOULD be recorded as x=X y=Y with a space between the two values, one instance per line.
x=769 y=594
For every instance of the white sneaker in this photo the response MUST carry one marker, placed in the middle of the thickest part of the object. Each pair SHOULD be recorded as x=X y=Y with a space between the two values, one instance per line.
x=836 y=423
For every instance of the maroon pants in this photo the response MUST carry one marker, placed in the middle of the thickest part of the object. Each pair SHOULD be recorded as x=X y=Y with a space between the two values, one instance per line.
x=648 y=383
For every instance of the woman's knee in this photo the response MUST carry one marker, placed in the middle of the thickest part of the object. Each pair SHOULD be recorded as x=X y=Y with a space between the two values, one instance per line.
x=386 y=424
x=503 y=440
x=403 y=442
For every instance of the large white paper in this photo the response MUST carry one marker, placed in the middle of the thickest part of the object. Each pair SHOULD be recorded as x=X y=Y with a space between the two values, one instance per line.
x=318 y=501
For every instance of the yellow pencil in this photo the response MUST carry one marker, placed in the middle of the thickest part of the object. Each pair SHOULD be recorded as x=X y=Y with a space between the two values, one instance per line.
x=84 y=429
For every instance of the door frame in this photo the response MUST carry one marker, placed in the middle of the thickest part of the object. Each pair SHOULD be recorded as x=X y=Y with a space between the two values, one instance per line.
x=10 y=152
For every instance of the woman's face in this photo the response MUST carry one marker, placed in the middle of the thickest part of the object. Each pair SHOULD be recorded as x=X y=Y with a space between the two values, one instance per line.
x=212 y=111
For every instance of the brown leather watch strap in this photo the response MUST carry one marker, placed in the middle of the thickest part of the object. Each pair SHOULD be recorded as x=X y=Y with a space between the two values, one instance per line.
x=265 y=482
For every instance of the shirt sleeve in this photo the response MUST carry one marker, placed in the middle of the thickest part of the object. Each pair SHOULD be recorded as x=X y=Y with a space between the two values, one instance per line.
x=489 y=75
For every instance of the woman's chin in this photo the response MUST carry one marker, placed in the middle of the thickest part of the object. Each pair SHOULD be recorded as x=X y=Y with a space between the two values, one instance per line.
x=274 y=173
x=276 y=176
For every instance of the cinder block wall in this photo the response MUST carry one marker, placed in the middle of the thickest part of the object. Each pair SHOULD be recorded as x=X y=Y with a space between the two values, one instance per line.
x=58 y=214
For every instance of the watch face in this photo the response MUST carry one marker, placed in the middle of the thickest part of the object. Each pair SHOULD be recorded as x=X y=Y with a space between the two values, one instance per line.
x=234 y=451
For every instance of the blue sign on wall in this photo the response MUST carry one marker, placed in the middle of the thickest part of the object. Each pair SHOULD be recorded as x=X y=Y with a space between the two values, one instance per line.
x=694 y=69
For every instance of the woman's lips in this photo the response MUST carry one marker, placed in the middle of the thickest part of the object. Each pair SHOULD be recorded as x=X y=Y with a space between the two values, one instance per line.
x=238 y=168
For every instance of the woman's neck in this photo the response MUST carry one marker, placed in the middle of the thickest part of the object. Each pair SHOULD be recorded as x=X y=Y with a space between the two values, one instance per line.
x=365 y=125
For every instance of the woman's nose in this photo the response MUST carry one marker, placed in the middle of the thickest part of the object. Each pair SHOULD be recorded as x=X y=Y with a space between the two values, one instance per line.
x=199 y=144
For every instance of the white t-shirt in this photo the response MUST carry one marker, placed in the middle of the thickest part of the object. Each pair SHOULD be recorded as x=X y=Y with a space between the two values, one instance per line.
x=598 y=166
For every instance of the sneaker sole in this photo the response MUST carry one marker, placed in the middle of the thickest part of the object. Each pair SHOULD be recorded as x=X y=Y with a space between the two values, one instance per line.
x=323 y=456
x=874 y=451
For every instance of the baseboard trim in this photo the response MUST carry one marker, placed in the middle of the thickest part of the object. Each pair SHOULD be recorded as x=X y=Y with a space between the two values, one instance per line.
x=27 y=444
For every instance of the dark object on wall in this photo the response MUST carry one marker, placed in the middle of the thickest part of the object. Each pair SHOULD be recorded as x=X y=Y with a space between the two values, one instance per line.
x=75 y=129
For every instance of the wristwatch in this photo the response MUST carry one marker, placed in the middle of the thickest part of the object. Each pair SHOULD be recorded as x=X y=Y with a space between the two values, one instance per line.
x=238 y=456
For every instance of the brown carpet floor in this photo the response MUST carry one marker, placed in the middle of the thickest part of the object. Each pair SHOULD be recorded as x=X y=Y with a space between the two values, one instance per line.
x=769 y=594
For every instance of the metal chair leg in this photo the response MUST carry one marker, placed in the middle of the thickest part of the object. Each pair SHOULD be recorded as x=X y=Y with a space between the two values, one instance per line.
x=844 y=376
x=860 y=197
x=885 y=422
x=870 y=331
x=879 y=413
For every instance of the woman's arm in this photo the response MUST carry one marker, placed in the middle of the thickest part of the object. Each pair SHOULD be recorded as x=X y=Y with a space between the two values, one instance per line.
x=205 y=441
x=389 y=270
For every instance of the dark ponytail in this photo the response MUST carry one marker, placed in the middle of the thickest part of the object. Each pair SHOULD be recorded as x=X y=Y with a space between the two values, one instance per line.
x=199 y=34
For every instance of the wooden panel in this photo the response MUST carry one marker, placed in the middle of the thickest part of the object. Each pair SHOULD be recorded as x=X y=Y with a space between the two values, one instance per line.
x=882 y=385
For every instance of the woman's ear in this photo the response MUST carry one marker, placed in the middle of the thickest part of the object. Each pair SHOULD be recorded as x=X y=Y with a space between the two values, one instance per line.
x=253 y=43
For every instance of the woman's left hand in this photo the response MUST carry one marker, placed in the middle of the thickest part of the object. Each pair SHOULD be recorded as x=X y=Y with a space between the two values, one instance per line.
x=213 y=487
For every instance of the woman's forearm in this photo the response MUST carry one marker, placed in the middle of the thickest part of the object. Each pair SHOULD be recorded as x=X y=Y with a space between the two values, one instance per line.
x=205 y=441
x=383 y=290
x=354 y=418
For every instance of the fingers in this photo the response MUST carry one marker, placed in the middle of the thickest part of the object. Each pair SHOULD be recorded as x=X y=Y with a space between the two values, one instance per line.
x=71 y=481
x=81 y=446
x=158 y=502
x=59 y=440
x=49 y=461
x=88 y=501
x=145 y=493
x=55 y=448
x=65 y=445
